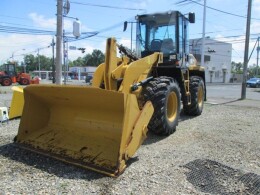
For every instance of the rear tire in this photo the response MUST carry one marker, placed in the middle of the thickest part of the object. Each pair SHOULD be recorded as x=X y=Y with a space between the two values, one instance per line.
x=7 y=82
x=197 y=91
x=24 y=81
x=164 y=93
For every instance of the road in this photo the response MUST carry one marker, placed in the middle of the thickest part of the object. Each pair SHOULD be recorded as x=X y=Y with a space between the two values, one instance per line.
x=216 y=93
x=229 y=92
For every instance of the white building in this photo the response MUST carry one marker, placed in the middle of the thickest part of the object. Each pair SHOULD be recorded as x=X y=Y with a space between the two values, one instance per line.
x=81 y=72
x=86 y=69
x=217 y=60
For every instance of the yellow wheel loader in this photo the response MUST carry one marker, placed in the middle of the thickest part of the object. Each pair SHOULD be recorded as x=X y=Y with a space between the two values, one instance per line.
x=100 y=127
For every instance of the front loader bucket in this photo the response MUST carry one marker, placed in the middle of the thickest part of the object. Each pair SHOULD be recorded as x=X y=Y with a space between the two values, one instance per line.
x=17 y=103
x=86 y=126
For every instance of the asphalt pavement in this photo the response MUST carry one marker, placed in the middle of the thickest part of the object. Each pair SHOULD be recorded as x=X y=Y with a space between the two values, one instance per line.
x=217 y=93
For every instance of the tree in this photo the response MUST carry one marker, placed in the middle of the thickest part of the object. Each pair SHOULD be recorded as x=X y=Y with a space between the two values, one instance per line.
x=94 y=59
x=97 y=57
x=45 y=62
x=237 y=67
x=254 y=71
x=32 y=62
x=87 y=59
x=78 y=62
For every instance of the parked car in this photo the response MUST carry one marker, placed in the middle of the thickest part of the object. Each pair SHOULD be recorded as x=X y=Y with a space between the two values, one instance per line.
x=253 y=82
x=88 y=78
x=68 y=78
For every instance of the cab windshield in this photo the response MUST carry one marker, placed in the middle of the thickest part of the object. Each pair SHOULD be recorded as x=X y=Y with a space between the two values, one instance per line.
x=157 y=33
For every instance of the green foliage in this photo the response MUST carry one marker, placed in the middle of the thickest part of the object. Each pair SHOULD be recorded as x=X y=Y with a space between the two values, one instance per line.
x=97 y=57
x=94 y=59
x=237 y=67
x=78 y=62
x=32 y=62
x=254 y=71
x=1 y=67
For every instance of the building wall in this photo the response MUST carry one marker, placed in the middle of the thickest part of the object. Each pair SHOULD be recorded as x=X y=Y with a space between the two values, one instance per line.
x=82 y=72
x=220 y=54
x=88 y=69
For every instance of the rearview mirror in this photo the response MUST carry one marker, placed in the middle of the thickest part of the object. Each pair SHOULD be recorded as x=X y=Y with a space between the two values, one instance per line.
x=125 y=26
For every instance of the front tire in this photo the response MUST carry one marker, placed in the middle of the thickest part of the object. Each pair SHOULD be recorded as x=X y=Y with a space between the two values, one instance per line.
x=164 y=93
x=197 y=91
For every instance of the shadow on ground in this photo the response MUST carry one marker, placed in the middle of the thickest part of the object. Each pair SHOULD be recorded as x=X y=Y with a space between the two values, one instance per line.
x=153 y=138
x=47 y=164
x=221 y=101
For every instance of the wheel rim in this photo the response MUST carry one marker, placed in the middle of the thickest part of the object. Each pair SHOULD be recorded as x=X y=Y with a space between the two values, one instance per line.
x=200 y=96
x=172 y=106
x=24 y=81
x=6 y=82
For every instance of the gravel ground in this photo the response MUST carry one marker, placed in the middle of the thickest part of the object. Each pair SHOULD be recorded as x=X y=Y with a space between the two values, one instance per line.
x=215 y=153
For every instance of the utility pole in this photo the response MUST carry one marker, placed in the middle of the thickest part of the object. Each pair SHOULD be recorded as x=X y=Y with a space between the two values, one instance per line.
x=131 y=36
x=243 y=92
x=53 y=63
x=65 y=53
x=203 y=33
x=59 y=40
x=39 y=63
x=257 y=59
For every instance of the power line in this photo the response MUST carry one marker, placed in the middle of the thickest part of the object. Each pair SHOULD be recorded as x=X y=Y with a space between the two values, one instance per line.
x=26 y=42
x=18 y=30
x=210 y=32
x=85 y=36
x=6 y=16
x=235 y=41
x=218 y=10
x=3 y=23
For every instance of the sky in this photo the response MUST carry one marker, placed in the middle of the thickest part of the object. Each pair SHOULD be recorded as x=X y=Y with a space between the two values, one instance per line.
x=107 y=18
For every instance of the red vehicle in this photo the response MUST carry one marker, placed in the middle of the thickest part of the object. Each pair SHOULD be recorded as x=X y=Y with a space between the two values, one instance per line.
x=9 y=76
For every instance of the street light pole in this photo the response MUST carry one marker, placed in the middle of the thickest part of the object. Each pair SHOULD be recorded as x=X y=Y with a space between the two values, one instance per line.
x=257 y=59
x=15 y=52
x=12 y=56
x=203 y=34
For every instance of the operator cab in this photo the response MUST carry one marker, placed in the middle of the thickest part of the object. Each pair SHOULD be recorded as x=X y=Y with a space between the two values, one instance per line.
x=163 y=32
x=10 y=70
